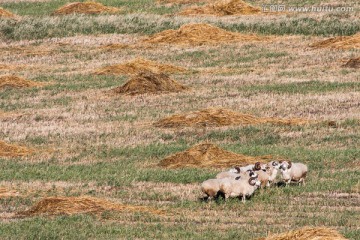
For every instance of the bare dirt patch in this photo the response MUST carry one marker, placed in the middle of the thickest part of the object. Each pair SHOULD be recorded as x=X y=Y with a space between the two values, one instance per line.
x=9 y=150
x=198 y=34
x=17 y=82
x=210 y=156
x=222 y=8
x=217 y=117
x=139 y=65
x=149 y=82
x=78 y=205
x=6 y=14
x=342 y=42
x=352 y=63
x=307 y=233
x=85 y=8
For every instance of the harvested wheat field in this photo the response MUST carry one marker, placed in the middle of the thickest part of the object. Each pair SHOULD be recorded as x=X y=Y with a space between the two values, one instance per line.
x=149 y=82
x=9 y=150
x=307 y=233
x=85 y=8
x=6 y=14
x=343 y=42
x=198 y=34
x=139 y=65
x=208 y=155
x=5 y=193
x=78 y=205
x=352 y=63
x=217 y=117
x=17 y=82
x=223 y=8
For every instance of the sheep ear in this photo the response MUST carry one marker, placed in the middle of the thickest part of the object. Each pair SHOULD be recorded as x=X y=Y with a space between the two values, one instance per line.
x=237 y=178
x=290 y=164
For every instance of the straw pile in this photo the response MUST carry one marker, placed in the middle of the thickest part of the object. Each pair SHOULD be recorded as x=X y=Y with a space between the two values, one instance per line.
x=8 y=150
x=307 y=233
x=114 y=46
x=222 y=8
x=85 y=8
x=139 y=65
x=181 y=1
x=343 y=42
x=352 y=63
x=217 y=117
x=198 y=34
x=149 y=82
x=17 y=82
x=4 y=193
x=210 y=156
x=6 y=14
x=77 y=205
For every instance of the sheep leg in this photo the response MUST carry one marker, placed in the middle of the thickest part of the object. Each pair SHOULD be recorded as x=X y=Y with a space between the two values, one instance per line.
x=268 y=184
x=243 y=198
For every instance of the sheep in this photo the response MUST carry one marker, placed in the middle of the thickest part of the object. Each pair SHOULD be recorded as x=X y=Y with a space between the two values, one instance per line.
x=264 y=177
x=211 y=188
x=273 y=167
x=253 y=167
x=232 y=175
x=239 y=187
x=293 y=172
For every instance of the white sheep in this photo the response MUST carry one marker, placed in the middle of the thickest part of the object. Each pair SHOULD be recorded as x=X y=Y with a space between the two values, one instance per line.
x=273 y=167
x=232 y=175
x=295 y=172
x=240 y=187
x=211 y=187
x=252 y=167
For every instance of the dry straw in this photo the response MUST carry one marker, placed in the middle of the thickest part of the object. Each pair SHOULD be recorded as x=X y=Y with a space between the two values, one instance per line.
x=198 y=34
x=181 y=1
x=307 y=233
x=85 y=8
x=342 y=42
x=6 y=14
x=139 y=65
x=217 y=117
x=5 y=193
x=210 y=156
x=17 y=82
x=78 y=205
x=149 y=82
x=222 y=8
x=352 y=63
x=9 y=150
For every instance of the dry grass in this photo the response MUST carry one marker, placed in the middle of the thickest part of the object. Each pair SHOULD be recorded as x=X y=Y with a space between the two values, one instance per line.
x=139 y=65
x=216 y=117
x=352 y=63
x=198 y=34
x=210 y=156
x=17 y=82
x=181 y=1
x=9 y=150
x=6 y=14
x=78 y=205
x=85 y=8
x=222 y=8
x=342 y=42
x=4 y=193
x=307 y=233
x=149 y=82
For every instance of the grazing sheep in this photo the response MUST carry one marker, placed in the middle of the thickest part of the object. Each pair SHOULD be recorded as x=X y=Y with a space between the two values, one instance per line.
x=295 y=172
x=211 y=187
x=264 y=177
x=232 y=175
x=252 y=167
x=239 y=187
x=273 y=167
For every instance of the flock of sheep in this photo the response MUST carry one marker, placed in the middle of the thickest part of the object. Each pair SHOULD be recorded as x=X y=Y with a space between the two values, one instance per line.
x=243 y=181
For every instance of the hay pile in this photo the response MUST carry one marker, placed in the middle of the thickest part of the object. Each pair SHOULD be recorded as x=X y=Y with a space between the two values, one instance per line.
x=198 y=34
x=78 y=205
x=139 y=65
x=149 y=82
x=8 y=150
x=217 y=117
x=6 y=14
x=343 y=42
x=210 y=156
x=181 y=1
x=223 y=8
x=85 y=8
x=352 y=63
x=17 y=82
x=307 y=233
x=4 y=193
